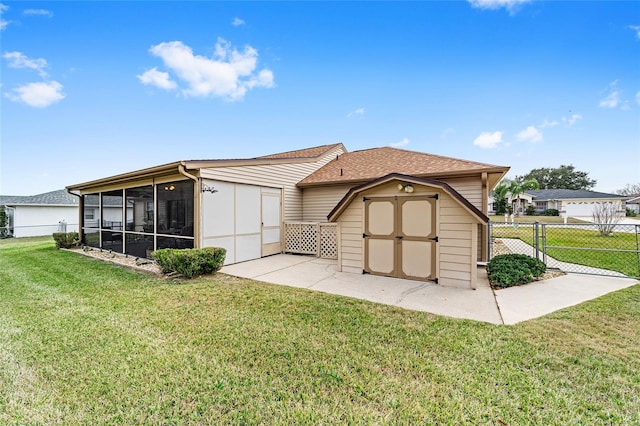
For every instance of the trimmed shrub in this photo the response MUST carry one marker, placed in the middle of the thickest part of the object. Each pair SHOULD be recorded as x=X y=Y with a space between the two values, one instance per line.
x=507 y=270
x=531 y=211
x=66 y=239
x=190 y=262
x=551 y=212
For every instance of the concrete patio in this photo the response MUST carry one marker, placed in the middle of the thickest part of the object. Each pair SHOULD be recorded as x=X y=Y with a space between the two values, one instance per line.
x=507 y=306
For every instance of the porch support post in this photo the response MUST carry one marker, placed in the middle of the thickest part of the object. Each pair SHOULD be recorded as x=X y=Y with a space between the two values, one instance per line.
x=484 y=241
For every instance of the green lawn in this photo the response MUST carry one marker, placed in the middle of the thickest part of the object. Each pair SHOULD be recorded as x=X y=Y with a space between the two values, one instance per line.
x=85 y=342
x=624 y=262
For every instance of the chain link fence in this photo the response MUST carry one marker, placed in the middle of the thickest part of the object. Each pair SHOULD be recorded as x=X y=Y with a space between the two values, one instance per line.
x=12 y=231
x=588 y=248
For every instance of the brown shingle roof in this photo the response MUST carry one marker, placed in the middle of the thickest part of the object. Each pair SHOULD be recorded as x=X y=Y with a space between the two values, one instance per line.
x=304 y=153
x=376 y=162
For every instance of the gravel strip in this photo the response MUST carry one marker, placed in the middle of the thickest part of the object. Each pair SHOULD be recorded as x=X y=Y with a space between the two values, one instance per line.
x=138 y=264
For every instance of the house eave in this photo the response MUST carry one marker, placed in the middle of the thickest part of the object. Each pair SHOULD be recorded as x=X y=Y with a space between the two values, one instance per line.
x=165 y=169
x=439 y=175
x=353 y=192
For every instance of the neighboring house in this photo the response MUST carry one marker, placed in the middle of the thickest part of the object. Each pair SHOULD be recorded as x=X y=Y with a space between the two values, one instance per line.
x=525 y=201
x=574 y=202
x=388 y=211
x=633 y=203
x=568 y=202
x=41 y=214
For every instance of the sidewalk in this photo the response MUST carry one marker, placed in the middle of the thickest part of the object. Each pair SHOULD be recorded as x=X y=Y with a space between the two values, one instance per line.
x=507 y=306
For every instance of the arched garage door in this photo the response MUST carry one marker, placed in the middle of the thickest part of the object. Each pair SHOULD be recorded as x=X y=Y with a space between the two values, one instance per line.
x=400 y=237
x=580 y=208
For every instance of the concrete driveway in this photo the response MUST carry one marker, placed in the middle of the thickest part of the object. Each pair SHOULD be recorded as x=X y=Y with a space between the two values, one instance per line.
x=508 y=306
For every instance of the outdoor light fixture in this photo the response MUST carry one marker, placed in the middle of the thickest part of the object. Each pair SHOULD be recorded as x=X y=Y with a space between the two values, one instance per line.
x=169 y=187
x=206 y=188
x=408 y=188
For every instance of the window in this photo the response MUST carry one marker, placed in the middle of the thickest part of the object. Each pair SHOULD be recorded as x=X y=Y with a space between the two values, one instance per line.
x=91 y=204
x=139 y=212
x=112 y=210
x=175 y=208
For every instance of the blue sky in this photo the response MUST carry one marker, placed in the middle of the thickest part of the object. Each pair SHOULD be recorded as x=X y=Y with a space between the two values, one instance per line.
x=93 y=89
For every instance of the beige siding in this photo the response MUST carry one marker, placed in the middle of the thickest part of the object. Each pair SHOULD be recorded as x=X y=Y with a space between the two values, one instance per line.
x=351 y=250
x=457 y=231
x=284 y=176
x=469 y=188
x=457 y=256
x=318 y=202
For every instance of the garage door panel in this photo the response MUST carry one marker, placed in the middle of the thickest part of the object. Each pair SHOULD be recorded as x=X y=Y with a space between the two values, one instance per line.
x=248 y=247
x=218 y=209
x=247 y=209
x=579 y=208
x=227 y=243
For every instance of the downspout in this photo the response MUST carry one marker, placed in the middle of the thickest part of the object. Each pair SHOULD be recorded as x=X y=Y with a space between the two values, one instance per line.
x=196 y=204
x=80 y=215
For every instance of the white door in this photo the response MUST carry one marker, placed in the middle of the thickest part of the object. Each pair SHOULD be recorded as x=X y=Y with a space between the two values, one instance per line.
x=271 y=220
x=248 y=223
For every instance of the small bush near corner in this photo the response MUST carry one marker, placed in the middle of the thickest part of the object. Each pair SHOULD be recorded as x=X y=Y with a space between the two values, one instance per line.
x=190 y=262
x=551 y=212
x=507 y=270
x=66 y=239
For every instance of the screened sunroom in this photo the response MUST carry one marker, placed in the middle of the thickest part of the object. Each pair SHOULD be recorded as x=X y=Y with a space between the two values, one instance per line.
x=137 y=220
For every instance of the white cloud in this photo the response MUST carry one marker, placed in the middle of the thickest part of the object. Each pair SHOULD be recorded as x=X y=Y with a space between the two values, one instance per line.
x=612 y=100
x=3 y=23
x=229 y=74
x=39 y=12
x=635 y=28
x=511 y=5
x=157 y=78
x=39 y=95
x=237 y=22
x=488 y=140
x=403 y=142
x=530 y=134
x=356 y=112
x=547 y=123
x=19 y=60
x=572 y=120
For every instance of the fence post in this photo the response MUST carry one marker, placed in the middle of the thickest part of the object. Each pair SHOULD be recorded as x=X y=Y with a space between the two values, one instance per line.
x=489 y=240
x=536 y=238
x=544 y=243
x=638 y=248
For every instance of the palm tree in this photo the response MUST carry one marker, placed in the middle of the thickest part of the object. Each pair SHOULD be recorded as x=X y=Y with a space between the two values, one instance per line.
x=516 y=188
x=500 y=196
